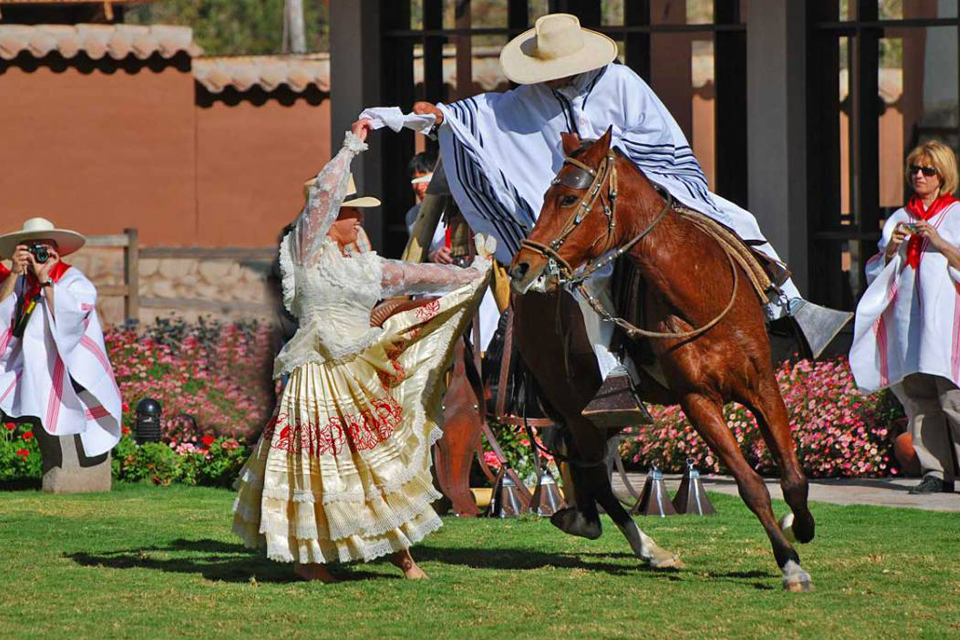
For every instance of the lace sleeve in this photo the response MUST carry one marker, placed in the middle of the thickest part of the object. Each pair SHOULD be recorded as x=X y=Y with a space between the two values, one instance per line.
x=323 y=202
x=407 y=278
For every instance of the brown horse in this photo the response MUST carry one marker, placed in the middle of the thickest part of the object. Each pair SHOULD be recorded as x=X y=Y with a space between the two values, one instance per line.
x=599 y=202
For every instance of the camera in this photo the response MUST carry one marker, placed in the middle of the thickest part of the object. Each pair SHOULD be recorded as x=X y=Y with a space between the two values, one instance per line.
x=39 y=251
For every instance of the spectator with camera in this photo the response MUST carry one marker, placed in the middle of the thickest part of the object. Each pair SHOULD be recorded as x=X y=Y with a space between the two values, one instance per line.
x=53 y=361
x=907 y=333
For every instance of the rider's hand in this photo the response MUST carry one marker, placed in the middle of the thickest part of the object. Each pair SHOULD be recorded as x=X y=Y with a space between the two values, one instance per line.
x=441 y=256
x=361 y=128
x=424 y=108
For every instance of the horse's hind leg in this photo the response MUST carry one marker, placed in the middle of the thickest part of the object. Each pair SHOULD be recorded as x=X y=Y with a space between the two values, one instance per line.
x=643 y=545
x=706 y=415
x=771 y=415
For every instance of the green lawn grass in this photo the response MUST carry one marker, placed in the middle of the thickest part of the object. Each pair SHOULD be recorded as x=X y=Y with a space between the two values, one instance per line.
x=144 y=562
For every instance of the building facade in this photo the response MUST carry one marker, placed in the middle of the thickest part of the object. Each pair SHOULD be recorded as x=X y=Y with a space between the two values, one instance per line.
x=800 y=110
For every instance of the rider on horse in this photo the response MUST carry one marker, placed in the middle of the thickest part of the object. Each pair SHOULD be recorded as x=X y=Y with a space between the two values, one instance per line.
x=501 y=151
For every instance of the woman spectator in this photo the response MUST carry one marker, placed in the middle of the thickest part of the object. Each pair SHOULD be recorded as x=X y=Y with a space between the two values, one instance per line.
x=907 y=333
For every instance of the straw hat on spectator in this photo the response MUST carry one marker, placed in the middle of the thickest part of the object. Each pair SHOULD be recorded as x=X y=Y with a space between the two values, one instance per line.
x=556 y=47
x=41 y=229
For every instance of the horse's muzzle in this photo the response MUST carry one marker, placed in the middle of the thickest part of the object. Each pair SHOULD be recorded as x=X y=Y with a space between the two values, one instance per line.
x=525 y=277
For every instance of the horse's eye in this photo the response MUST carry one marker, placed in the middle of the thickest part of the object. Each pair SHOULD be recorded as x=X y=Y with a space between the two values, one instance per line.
x=568 y=201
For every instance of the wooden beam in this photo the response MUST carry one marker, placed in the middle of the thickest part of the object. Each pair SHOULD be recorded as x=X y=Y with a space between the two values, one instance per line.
x=210 y=253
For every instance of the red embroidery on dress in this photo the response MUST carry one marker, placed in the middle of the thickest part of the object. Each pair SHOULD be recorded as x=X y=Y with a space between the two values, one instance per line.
x=360 y=431
x=428 y=311
x=389 y=380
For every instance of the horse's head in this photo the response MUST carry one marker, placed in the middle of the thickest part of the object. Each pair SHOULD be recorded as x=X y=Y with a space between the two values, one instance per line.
x=577 y=222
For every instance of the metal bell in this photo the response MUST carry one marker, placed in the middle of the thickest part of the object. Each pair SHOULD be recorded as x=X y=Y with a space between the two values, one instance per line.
x=507 y=500
x=550 y=501
x=654 y=500
x=691 y=498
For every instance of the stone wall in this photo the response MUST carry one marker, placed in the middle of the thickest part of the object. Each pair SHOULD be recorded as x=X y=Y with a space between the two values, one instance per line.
x=186 y=287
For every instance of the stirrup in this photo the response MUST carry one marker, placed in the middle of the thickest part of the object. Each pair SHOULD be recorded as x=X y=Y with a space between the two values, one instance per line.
x=818 y=325
x=616 y=404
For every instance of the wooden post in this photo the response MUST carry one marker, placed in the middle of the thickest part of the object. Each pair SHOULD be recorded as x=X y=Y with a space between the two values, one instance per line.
x=131 y=275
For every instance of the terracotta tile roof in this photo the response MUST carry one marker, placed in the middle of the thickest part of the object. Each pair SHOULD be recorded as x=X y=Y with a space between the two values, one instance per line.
x=96 y=40
x=298 y=72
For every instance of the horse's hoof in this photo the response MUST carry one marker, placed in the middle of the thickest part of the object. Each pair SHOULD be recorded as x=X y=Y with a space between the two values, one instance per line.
x=571 y=521
x=786 y=525
x=660 y=558
x=796 y=579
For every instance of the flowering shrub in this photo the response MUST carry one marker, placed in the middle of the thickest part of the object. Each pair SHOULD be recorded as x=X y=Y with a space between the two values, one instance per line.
x=840 y=431
x=516 y=447
x=19 y=452
x=210 y=378
x=216 y=462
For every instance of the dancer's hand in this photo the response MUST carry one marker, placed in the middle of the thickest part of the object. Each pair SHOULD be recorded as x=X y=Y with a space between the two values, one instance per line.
x=425 y=108
x=361 y=128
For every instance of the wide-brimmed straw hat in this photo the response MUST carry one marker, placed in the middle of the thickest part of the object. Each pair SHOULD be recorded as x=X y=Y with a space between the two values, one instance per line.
x=556 y=47
x=41 y=229
x=363 y=202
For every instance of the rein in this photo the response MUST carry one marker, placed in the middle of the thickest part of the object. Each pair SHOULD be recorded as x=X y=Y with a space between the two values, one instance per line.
x=558 y=267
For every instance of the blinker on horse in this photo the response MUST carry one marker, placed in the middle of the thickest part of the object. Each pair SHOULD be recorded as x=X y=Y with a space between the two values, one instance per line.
x=710 y=342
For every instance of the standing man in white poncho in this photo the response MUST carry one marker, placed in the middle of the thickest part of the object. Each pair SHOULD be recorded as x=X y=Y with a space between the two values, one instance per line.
x=53 y=361
x=501 y=150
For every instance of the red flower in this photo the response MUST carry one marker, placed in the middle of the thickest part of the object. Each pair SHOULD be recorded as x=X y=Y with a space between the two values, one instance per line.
x=28 y=435
x=125 y=430
x=10 y=426
x=207 y=440
x=23 y=453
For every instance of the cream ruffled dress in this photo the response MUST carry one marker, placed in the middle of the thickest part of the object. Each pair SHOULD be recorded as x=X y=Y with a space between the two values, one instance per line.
x=343 y=470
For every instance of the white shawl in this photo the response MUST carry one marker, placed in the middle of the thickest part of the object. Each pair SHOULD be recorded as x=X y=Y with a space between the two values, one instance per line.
x=37 y=371
x=909 y=321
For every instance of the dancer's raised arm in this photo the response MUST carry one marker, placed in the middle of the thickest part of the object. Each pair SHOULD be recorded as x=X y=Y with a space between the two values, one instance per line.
x=325 y=196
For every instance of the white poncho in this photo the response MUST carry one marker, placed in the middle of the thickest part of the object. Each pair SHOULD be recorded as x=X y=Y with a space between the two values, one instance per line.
x=38 y=371
x=909 y=321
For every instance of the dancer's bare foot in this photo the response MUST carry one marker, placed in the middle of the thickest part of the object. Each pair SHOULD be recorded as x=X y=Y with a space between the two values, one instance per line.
x=404 y=561
x=314 y=572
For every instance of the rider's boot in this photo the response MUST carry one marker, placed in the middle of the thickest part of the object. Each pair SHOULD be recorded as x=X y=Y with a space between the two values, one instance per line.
x=818 y=325
x=616 y=404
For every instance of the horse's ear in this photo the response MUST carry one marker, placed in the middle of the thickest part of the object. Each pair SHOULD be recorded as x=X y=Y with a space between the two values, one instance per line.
x=604 y=141
x=570 y=142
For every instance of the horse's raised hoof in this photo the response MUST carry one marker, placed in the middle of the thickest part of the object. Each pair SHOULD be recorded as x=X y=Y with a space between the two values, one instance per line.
x=786 y=526
x=796 y=579
x=571 y=521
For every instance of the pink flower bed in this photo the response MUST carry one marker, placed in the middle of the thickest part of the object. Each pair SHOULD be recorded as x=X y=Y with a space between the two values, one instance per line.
x=212 y=380
x=840 y=431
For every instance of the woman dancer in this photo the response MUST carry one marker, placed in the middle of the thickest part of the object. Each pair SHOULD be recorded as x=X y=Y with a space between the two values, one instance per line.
x=342 y=471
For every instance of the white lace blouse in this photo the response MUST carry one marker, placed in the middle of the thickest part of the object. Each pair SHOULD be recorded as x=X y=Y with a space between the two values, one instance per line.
x=332 y=294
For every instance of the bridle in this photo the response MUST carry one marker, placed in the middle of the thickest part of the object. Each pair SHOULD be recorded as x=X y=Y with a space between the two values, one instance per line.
x=601 y=184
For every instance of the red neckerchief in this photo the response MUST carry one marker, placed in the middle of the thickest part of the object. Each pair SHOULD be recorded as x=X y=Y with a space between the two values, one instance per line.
x=33 y=285
x=4 y=272
x=915 y=208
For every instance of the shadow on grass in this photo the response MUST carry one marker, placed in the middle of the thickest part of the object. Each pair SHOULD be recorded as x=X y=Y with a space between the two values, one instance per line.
x=232 y=562
x=526 y=559
x=212 y=559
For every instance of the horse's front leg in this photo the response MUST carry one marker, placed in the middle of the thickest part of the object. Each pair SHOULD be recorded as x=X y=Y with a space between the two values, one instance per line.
x=706 y=415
